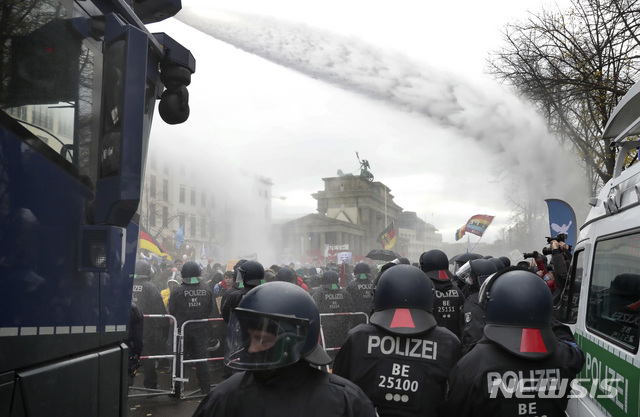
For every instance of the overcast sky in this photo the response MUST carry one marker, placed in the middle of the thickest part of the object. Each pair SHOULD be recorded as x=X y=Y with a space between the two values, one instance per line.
x=291 y=90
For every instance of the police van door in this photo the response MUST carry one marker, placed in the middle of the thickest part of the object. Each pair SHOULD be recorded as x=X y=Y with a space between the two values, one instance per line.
x=608 y=321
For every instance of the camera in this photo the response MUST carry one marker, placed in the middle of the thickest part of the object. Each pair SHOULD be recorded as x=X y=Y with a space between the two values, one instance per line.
x=548 y=250
x=560 y=238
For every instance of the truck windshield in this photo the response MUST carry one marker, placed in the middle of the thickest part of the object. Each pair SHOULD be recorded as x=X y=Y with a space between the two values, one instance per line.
x=47 y=82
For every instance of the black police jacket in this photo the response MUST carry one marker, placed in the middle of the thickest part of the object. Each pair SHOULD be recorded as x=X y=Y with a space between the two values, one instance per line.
x=296 y=390
x=149 y=300
x=402 y=375
x=231 y=299
x=147 y=296
x=332 y=300
x=490 y=381
x=191 y=302
x=472 y=322
x=447 y=305
x=361 y=292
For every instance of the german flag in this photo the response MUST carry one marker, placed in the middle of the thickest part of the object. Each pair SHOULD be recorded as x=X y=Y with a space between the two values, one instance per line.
x=388 y=237
x=145 y=241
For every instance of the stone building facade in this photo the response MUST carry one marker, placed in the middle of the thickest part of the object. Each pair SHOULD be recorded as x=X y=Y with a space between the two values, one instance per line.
x=416 y=236
x=352 y=211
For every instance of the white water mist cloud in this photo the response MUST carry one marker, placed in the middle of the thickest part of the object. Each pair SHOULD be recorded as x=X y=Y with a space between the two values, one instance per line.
x=505 y=126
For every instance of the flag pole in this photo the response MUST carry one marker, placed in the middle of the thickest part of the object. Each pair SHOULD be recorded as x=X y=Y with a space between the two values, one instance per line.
x=385 y=206
x=474 y=245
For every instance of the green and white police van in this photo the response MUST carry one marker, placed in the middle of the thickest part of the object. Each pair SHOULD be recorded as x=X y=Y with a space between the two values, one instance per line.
x=602 y=300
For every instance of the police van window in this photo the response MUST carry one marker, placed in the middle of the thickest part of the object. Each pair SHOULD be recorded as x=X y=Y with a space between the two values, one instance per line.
x=614 y=292
x=567 y=310
x=44 y=99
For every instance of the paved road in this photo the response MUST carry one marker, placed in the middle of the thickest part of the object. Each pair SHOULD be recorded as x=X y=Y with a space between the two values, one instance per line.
x=142 y=404
x=162 y=406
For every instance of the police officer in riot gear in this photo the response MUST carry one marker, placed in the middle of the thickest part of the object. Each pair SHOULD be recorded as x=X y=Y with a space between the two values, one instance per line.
x=473 y=273
x=361 y=288
x=193 y=300
x=330 y=298
x=287 y=274
x=147 y=297
x=401 y=359
x=447 y=306
x=524 y=364
x=250 y=274
x=458 y=262
x=237 y=281
x=273 y=340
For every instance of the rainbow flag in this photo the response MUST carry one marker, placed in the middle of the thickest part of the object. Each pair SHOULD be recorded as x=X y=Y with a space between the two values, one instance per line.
x=476 y=225
x=145 y=241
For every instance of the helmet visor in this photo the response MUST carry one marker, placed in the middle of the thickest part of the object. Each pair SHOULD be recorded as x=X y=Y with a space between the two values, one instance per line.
x=464 y=272
x=484 y=288
x=257 y=341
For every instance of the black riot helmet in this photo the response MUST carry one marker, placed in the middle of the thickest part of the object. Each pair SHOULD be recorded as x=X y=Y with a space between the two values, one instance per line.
x=143 y=269
x=519 y=313
x=435 y=264
x=498 y=263
x=236 y=274
x=476 y=271
x=506 y=261
x=330 y=278
x=459 y=260
x=191 y=272
x=286 y=274
x=403 y=301
x=275 y=324
x=361 y=269
x=252 y=273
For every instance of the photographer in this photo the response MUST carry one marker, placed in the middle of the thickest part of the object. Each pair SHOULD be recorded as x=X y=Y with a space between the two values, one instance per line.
x=561 y=259
x=537 y=262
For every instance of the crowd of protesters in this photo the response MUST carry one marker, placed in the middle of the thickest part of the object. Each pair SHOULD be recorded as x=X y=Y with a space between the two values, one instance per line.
x=403 y=333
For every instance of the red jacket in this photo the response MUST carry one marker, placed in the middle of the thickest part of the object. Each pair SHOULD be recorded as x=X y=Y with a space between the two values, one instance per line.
x=540 y=265
x=302 y=285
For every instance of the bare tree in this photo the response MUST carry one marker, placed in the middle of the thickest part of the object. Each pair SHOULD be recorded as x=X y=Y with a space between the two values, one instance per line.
x=152 y=214
x=575 y=66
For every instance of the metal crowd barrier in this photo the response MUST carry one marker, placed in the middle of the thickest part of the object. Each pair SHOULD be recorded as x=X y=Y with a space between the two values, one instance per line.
x=178 y=378
x=322 y=338
x=147 y=392
x=182 y=361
